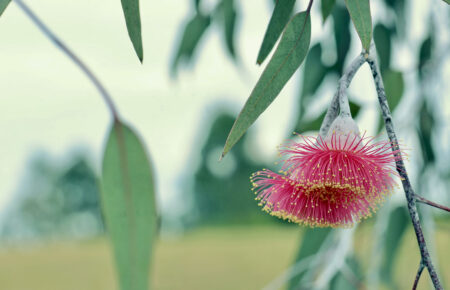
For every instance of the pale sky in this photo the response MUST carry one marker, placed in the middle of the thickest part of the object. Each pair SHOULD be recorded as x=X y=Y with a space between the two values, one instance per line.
x=47 y=103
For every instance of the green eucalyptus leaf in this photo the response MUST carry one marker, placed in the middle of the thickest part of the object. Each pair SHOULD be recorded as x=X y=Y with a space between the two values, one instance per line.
x=394 y=86
x=352 y=279
x=128 y=204
x=425 y=54
x=426 y=124
x=192 y=35
x=133 y=20
x=314 y=72
x=288 y=56
x=280 y=17
x=229 y=13
x=342 y=36
x=326 y=7
x=313 y=239
x=3 y=5
x=382 y=39
x=360 y=13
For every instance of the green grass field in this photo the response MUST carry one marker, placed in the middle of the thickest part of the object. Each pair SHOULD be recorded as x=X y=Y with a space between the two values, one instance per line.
x=214 y=258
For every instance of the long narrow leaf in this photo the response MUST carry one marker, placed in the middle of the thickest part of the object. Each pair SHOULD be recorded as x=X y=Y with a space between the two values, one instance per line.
x=280 y=17
x=128 y=203
x=133 y=21
x=360 y=13
x=229 y=22
x=288 y=56
x=192 y=35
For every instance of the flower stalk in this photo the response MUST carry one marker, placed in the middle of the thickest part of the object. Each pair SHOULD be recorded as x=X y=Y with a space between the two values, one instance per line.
x=340 y=100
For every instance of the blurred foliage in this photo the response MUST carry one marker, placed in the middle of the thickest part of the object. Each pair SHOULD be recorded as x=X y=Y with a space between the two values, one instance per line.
x=349 y=277
x=55 y=201
x=228 y=14
x=193 y=32
x=221 y=191
x=397 y=224
x=312 y=241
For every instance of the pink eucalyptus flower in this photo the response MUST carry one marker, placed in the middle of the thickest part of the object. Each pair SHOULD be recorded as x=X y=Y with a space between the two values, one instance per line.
x=330 y=182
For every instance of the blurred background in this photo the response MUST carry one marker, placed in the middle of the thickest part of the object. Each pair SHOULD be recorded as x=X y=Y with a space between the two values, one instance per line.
x=199 y=68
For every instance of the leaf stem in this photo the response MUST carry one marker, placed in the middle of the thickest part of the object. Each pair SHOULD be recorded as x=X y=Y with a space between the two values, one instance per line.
x=340 y=100
x=430 y=203
x=419 y=273
x=70 y=54
x=308 y=9
x=409 y=192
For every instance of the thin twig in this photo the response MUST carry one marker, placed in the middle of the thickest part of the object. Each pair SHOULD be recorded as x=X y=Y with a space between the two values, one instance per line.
x=340 y=95
x=56 y=41
x=419 y=272
x=409 y=192
x=429 y=202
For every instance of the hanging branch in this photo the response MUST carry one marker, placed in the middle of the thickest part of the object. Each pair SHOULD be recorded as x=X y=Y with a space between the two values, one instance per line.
x=409 y=192
x=340 y=95
x=76 y=60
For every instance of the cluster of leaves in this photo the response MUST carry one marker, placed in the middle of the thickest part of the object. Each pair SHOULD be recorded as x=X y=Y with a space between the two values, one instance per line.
x=127 y=186
x=225 y=14
x=294 y=30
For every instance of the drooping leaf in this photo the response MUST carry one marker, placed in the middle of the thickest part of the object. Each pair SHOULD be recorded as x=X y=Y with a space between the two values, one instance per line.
x=447 y=1
x=425 y=54
x=326 y=8
x=342 y=36
x=229 y=14
x=128 y=204
x=280 y=17
x=3 y=5
x=394 y=86
x=382 y=39
x=311 y=242
x=133 y=20
x=192 y=35
x=426 y=124
x=398 y=7
x=398 y=221
x=315 y=71
x=197 y=5
x=360 y=13
x=287 y=58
